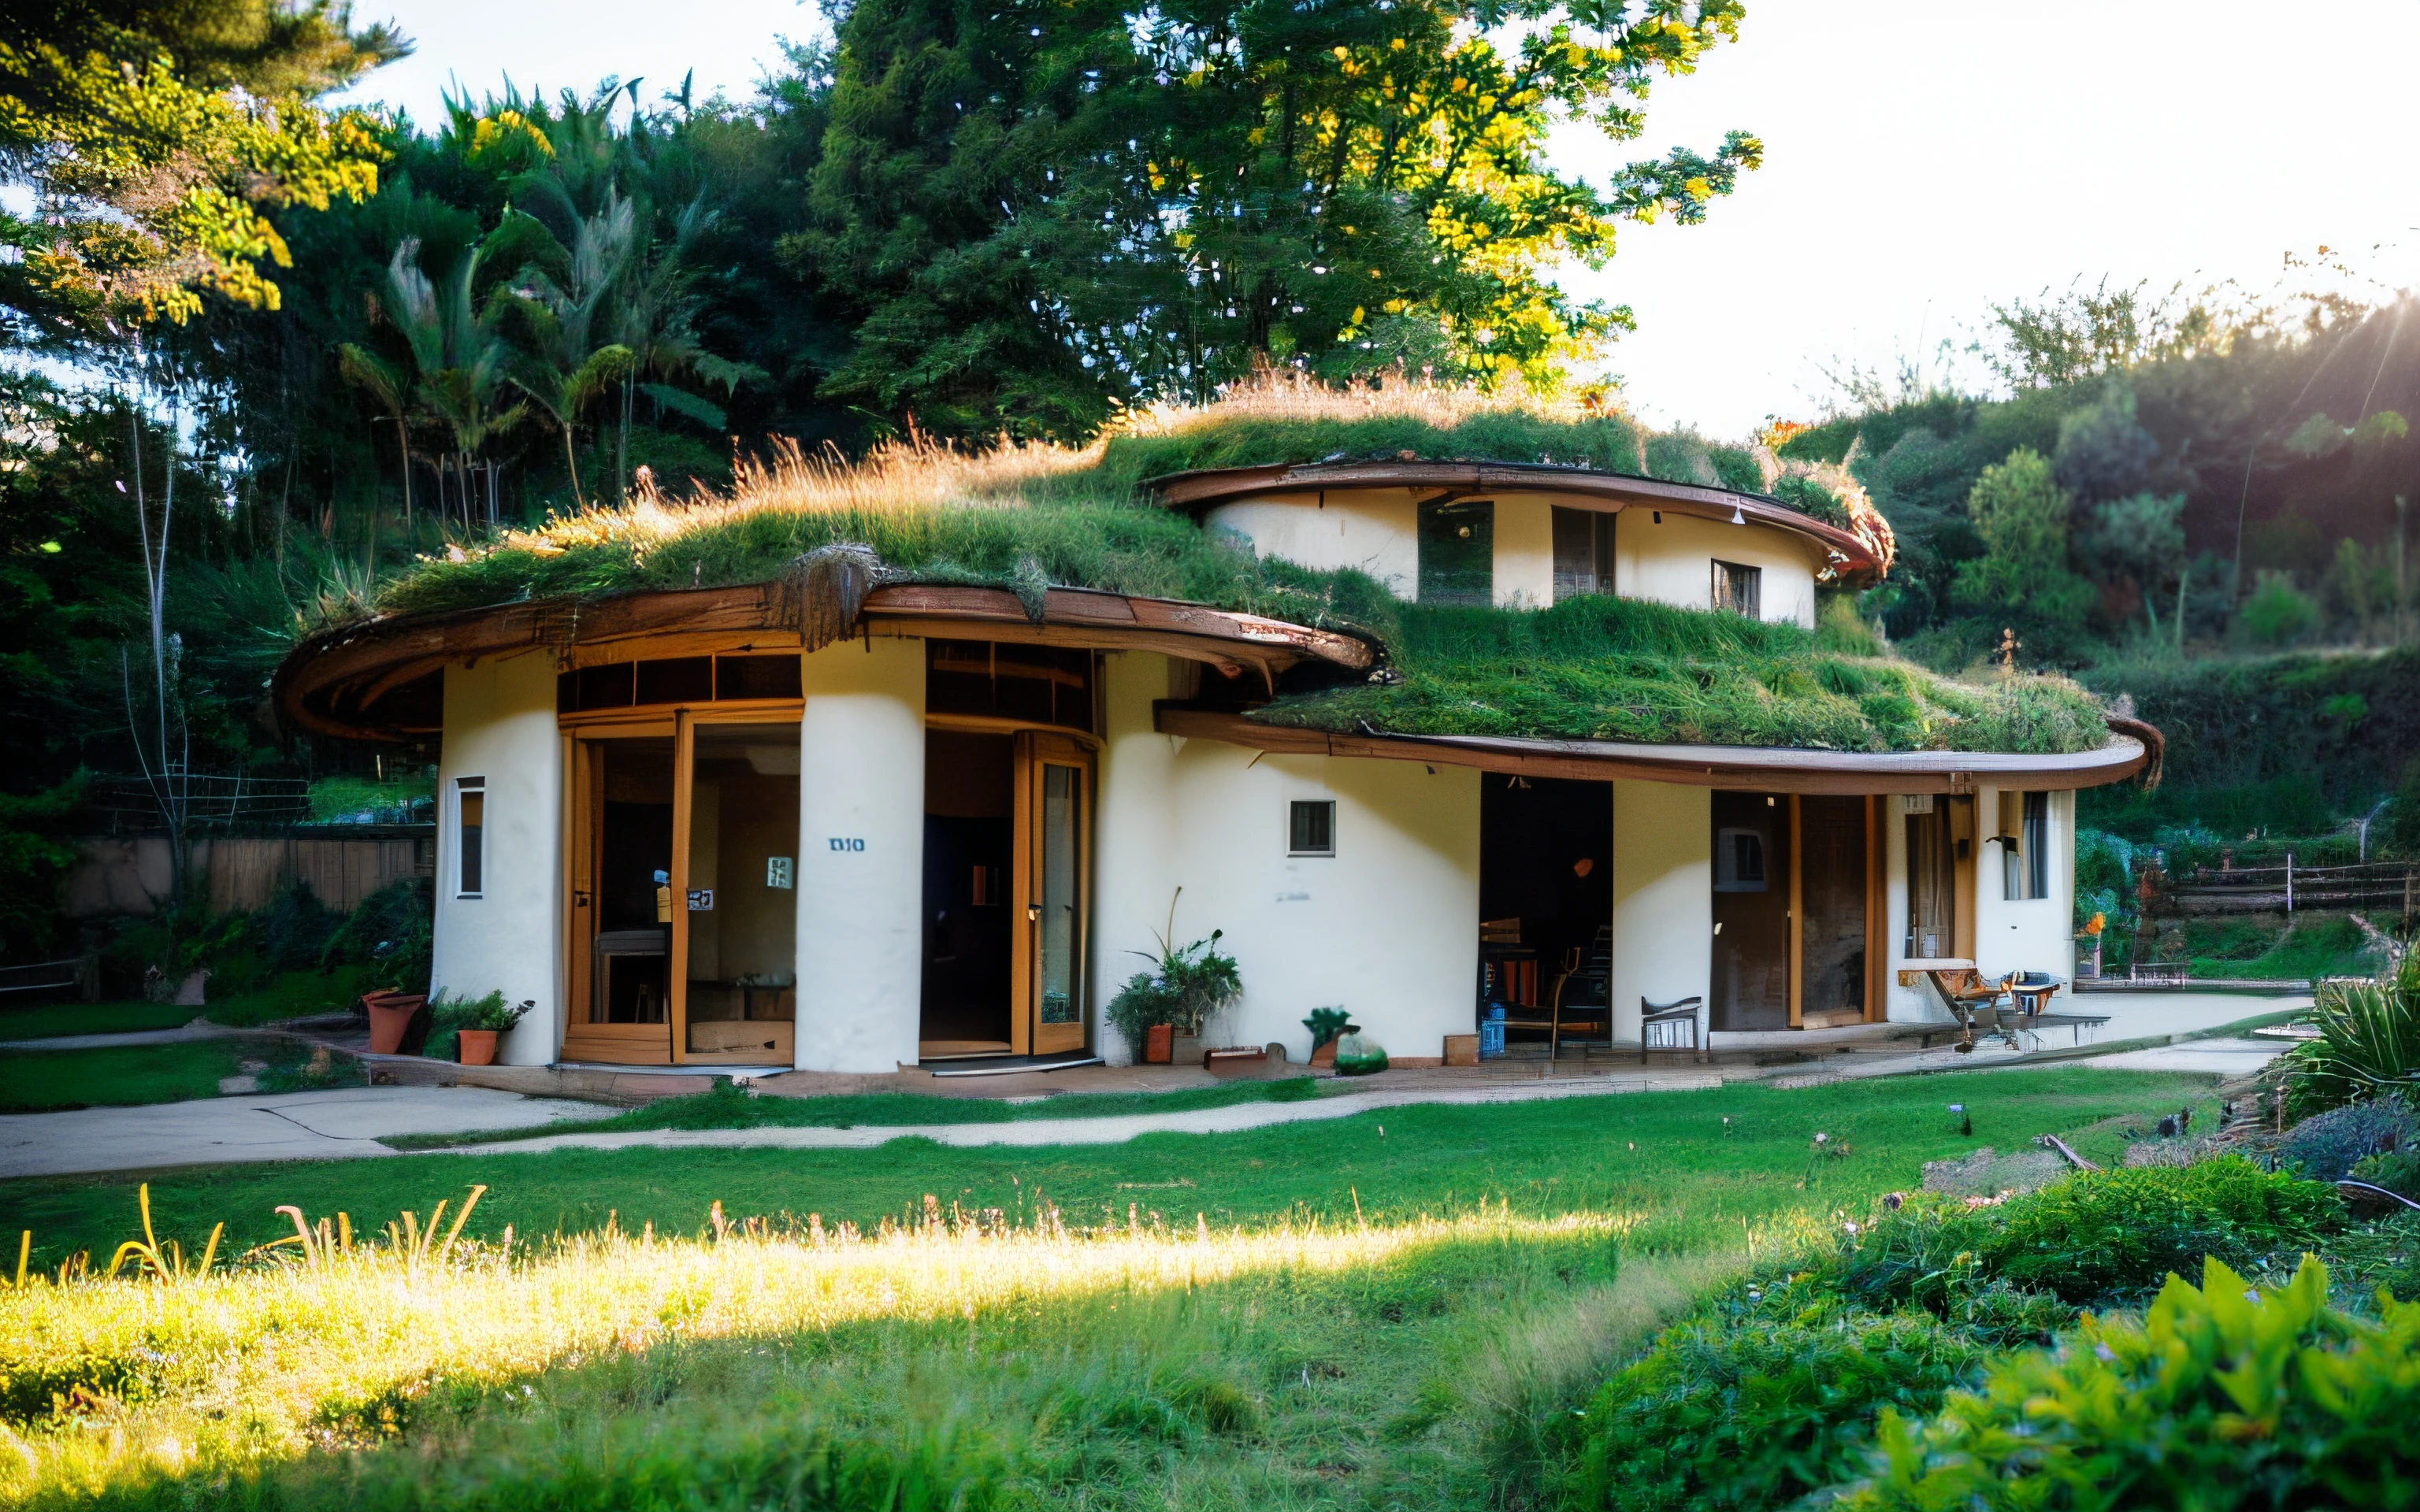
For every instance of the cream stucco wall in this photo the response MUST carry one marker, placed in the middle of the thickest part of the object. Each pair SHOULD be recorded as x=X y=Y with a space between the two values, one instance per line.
x=1673 y=562
x=1387 y=928
x=2021 y=934
x=1662 y=899
x=861 y=779
x=1524 y=553
x=2029 y=933
x=1377 y=532
x=500 y=726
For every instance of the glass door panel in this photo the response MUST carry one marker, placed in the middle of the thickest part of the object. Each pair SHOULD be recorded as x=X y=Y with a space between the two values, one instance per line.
x=1052 y=874
x=739 y=894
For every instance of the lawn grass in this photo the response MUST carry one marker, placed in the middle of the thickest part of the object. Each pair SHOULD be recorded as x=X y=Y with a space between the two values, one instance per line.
x=1370 y=1311
x=1668 y=1155
x=730 y=1107
x=33 y=1081
x=46 y=1021
x=292 y=995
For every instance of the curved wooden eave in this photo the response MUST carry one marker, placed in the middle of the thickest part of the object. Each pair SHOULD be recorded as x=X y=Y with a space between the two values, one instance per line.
x=1756 y=768
x=1850 y=557
x=331 y=683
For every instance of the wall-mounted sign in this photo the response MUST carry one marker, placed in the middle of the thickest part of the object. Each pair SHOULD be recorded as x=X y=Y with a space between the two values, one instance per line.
x=701 y=900
x=780 y=872
x=841 y=843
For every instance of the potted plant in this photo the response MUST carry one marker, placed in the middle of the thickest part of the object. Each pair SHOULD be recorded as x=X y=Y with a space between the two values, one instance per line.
x=1188 y=984
x=1326 y=1025
x=487 y=1018
x=391 y=1014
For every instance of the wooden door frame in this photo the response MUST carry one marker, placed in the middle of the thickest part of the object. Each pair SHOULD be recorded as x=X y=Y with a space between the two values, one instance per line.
x=684 y=820
x=1877 y=906
x=1035 y=750
x=585 y=805
x=1797 y=922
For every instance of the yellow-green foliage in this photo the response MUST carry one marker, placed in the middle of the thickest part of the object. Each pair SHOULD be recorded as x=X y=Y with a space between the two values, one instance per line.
x=2225 y=1396
x=111 y=1383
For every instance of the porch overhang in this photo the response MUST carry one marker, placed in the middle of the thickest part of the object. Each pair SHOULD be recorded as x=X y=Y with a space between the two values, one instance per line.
x=1754 y=768
x=1850 y=557
x=375 y=679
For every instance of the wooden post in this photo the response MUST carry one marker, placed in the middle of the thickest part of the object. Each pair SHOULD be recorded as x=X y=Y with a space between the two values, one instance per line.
x=1798 y=923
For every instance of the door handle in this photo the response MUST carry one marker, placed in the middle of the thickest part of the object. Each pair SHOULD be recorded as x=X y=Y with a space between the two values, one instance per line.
x=1033 y=913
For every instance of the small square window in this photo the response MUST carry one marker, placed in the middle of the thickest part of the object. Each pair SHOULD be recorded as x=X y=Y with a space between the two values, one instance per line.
x=470 y=817
x=1740 y=589
x=1310 y=829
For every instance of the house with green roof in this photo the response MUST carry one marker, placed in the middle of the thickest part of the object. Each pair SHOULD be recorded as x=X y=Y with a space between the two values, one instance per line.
x=1484 y=723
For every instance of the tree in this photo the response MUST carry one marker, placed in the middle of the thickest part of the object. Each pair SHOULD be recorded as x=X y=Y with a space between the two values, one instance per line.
x=1041 y=211
x=460 y=360
x=154 y=134
x=2142 y=537
x=2021 y=512
x=564 y=365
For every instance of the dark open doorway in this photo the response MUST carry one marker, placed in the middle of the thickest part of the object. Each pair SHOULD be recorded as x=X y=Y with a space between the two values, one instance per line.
x=1751 y=966
x=969 y=819
x=1545 y=894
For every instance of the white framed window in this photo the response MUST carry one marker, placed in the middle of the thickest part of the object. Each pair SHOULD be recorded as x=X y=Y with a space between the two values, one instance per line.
x=1310 y=827
x=2025 y=847
x=470 y=824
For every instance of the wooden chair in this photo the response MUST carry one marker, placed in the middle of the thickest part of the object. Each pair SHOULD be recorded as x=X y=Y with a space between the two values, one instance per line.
x=1590 y=1020
x=1969 y=996
x=1664 y=1025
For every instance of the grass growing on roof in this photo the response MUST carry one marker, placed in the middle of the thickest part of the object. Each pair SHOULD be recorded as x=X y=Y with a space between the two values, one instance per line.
x=1615 y=669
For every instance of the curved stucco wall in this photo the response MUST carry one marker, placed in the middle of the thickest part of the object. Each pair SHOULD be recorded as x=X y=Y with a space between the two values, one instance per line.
x=500 y=726
x=1387 y=928
x=1377 y=533
x=860 y=907
x=1673 y=562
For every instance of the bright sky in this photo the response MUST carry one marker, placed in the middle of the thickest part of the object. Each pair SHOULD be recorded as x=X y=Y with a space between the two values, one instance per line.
x=1922 y=160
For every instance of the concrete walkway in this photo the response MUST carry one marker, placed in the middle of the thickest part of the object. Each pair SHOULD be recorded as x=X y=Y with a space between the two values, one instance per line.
x=341 y=1123
x=182 y=1034
x=348 y=1122
x=1115 y=1130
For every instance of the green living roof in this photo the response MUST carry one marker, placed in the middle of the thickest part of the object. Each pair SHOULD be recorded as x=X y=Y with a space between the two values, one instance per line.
x=1027 y=518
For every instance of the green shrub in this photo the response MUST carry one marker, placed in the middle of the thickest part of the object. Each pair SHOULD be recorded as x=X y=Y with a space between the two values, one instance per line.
x=2225 y=1395
x=391 y=934
x=2396 y=1170
x=2101 y=1236
x=2326 y=1146
x=2369 y=1039
x=1755 y=1411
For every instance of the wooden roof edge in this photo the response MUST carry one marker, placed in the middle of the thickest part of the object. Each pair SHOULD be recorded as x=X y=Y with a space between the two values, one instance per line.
x=1202 y=487
x=1763 y=768
x=378 y=653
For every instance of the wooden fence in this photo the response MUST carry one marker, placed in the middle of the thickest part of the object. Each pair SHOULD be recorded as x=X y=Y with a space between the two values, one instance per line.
x=121 y=875
x=2376 y=888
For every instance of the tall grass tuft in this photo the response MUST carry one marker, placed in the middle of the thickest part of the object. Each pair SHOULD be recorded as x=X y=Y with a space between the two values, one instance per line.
x=313 y=1344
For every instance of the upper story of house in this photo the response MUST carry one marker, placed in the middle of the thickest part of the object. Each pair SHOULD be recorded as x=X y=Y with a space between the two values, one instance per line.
x=1513 y=536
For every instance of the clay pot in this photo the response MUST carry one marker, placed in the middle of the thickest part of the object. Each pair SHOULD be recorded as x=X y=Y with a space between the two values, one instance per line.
x=390 y=1016
x=477 y=1046
x=1158 y=1044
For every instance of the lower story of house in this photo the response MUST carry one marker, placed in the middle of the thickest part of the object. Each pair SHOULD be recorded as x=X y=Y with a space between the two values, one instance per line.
x=898 y=850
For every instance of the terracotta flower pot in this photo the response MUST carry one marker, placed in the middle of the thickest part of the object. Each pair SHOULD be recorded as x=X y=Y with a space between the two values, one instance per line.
x=1324 y=1055
x=477 y=1046
x=390 y=1016
x=1158 y=1044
